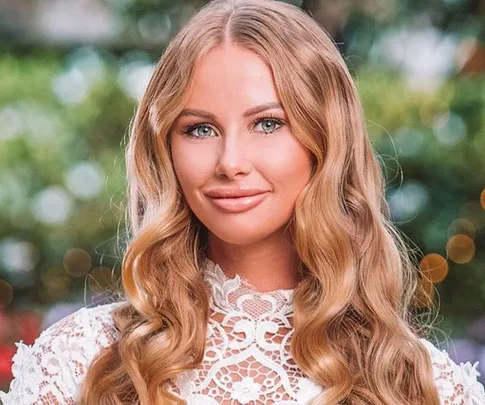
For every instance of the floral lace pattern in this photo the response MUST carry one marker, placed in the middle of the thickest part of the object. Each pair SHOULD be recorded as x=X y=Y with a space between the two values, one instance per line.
x=247 y=359
x=52 y=369
x=456 y=383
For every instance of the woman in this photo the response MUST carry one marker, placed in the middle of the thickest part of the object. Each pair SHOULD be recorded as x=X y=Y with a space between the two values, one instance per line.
x=263 y=266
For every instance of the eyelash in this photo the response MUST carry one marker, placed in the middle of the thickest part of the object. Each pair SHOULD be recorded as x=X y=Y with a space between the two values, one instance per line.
x=187 y=130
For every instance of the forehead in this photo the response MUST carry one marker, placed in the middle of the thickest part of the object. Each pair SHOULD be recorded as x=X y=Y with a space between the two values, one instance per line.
x=231 y=74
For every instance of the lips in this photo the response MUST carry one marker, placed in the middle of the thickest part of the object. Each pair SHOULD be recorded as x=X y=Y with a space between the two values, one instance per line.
x=236 y=201
x=233 y=192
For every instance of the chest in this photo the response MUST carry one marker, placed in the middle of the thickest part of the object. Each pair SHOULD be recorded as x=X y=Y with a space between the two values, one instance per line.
x=247 y=361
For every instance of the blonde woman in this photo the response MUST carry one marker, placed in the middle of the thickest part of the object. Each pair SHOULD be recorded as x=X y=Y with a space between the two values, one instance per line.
x=263 y=267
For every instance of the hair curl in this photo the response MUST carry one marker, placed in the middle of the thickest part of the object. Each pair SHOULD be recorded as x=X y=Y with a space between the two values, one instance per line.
x=353 y=329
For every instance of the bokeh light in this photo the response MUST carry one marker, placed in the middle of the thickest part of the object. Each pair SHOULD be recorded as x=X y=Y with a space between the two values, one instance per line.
x=100 y=279
x=434 y=267
x=52 y=206
x=424 y=55
x=134 y=74
x=77 y=262
x=85 y=180
x=155 y=27
x=56 y=284
x=18 y=256
x=85 y=69
x=463 y=226
x=408 y=200
x=449 y=129
x=88 y=62
x=460 y=248
x=70 y=87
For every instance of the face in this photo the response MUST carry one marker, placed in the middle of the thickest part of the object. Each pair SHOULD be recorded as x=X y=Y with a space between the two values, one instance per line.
x=233 y=135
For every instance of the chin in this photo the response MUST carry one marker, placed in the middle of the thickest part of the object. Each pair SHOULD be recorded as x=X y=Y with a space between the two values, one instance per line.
x=249 y=232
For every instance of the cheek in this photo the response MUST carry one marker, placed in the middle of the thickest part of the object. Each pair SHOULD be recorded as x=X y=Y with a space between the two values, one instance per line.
x=288 y=164
x=190 y=166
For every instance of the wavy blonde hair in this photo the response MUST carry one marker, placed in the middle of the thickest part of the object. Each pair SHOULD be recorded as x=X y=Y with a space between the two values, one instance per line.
x=353 y=329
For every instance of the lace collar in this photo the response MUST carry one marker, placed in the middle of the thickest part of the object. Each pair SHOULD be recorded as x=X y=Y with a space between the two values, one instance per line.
x=237 y=294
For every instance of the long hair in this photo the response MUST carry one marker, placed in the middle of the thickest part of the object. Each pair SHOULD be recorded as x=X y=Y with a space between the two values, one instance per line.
x=353 y=329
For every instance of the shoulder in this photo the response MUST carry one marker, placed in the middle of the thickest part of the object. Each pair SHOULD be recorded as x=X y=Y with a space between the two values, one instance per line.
x=51 y=370
x=456 y=383
x=93 y=325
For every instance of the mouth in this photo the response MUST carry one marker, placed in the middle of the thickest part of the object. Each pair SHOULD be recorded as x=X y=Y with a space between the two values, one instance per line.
x=238 y=204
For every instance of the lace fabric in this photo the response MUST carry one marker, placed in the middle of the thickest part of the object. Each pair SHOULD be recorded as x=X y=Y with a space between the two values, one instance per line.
x=52 y=369
x=247 y=358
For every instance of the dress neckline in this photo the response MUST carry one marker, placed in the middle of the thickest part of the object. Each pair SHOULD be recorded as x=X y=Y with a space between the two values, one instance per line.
x=238 y=294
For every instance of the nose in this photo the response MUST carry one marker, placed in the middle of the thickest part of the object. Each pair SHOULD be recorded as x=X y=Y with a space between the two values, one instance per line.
x=232 y=160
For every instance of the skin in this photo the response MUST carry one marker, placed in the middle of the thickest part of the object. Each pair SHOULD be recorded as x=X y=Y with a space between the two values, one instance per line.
x=230 y=151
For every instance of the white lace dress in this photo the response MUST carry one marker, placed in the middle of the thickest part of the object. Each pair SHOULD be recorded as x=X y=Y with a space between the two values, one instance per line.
x=247 y=359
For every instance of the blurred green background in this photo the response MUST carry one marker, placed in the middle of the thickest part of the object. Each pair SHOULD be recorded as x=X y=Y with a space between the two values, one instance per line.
x=72 y=71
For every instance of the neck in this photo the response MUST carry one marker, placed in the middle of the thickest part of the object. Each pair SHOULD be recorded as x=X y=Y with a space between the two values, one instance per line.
x=268 y=265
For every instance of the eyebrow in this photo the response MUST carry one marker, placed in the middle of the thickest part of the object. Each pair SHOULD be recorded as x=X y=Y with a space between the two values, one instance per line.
x=252 y=111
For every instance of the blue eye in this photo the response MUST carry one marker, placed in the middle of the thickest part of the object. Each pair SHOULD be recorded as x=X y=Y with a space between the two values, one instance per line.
x=273 y=124
x=203 y=130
